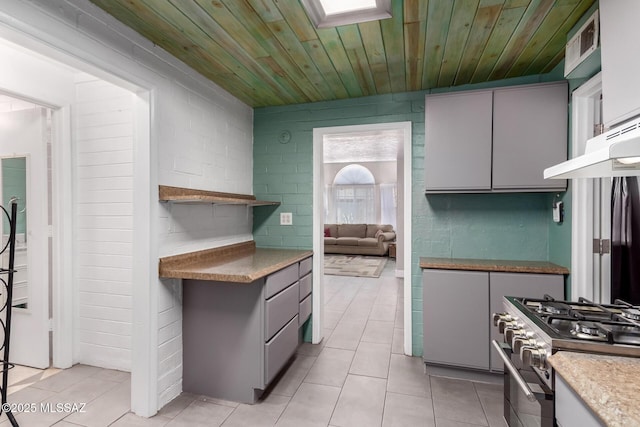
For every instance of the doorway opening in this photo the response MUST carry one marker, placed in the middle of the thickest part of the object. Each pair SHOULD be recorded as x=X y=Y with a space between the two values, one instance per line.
x=591 y=203
x=361 y=177
x=100 y=129
x=25 y=176
x=337 y=148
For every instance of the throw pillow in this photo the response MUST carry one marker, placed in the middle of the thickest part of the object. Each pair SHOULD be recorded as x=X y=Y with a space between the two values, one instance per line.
x=378 y=233
x=327 y=232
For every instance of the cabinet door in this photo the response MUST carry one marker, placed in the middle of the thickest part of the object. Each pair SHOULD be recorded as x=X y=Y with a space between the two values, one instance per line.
x=456 y=318
x=458 y=141
x=571 y=410
x=518 y=285
x=620 y=32
x=529 y=135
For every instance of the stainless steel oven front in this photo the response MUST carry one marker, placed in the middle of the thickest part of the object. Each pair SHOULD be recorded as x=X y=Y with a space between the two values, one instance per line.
x=533 y=329
x=528 y=401
x=528 y=380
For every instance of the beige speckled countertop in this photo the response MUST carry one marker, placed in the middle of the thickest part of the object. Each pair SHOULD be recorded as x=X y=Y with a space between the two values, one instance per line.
x=541 y=267
x=609 y=385
x=240 y=263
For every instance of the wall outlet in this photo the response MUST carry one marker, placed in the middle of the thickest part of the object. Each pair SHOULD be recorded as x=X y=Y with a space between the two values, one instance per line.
x=286 y=218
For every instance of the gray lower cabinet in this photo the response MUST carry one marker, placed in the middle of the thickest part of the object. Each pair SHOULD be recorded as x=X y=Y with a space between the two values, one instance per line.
x=571 y=411
x=237 y=337
x=457 y=307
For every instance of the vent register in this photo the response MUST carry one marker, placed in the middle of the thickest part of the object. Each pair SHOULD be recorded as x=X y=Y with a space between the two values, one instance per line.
x=582 y=44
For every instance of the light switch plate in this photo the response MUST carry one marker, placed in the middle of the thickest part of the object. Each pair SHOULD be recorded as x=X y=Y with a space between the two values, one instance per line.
x=286 y=218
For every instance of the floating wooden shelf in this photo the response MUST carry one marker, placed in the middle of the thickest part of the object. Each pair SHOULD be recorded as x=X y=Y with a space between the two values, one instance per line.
x=188 y=195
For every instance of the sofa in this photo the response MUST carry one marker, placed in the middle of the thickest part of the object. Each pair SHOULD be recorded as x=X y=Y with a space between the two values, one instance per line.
x=358 y=239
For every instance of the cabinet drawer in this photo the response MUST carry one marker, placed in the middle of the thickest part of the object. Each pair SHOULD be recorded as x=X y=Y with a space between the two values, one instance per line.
x=305 y=286
x=305 y=310
x=280 y=309
x=280 y=280
x=305 y=266
x=279 y=349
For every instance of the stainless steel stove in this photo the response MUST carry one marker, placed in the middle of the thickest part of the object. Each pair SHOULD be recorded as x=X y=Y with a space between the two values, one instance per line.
x=534 y=329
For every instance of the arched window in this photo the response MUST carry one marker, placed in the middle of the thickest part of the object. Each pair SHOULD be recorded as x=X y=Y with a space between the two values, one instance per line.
x=354 y=196
x=354 y=175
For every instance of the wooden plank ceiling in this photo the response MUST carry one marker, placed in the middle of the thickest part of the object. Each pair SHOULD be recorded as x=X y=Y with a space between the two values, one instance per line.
x=267 y=52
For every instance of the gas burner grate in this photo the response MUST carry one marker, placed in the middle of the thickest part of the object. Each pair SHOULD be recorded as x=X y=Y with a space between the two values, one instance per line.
x=592 y=330
x=554 y=307
x=588 y=328
x=597 y=328
x=622 y=311
x=631 y=313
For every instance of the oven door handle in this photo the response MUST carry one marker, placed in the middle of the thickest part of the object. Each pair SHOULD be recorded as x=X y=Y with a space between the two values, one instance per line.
x=514 y=371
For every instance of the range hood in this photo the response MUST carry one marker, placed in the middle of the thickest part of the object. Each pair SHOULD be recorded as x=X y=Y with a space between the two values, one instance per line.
x=613 y=153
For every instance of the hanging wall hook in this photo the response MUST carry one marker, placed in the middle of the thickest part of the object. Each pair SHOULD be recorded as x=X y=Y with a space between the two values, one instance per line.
x=558 y=209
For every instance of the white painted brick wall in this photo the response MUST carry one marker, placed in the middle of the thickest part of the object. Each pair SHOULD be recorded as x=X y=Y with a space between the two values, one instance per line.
x=202 y=138
x=204 y=146
x=103 y=227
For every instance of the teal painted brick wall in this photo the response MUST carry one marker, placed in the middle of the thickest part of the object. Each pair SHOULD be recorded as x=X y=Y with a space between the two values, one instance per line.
x=14 y=183
x=494 y=226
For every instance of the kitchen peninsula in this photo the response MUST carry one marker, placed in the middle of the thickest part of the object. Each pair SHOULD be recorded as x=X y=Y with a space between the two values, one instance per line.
x=243 y=309
x=599 y=384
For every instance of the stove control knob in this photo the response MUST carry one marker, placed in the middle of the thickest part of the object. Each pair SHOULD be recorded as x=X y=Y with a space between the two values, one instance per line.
x=521 y=341
x=544 y=365
x=500 y=316
x=533 y=356
x=511 y=332
x=503 y=324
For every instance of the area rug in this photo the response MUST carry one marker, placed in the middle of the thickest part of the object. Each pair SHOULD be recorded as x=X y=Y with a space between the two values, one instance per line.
x=353 y=265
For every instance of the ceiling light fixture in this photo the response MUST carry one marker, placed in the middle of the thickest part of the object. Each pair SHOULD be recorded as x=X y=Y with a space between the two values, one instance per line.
x=331 y=13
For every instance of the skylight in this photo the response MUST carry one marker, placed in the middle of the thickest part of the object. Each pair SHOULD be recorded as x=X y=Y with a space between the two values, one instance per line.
x=334 y=7
x=331 y=13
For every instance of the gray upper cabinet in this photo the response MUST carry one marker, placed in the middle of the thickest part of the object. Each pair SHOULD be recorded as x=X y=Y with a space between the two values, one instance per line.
x=529 y=135
x=458 y=141
x=498 y=140
x=620 y=31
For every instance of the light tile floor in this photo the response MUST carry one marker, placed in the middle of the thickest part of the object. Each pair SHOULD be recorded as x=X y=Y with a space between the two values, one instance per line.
x=357 y=377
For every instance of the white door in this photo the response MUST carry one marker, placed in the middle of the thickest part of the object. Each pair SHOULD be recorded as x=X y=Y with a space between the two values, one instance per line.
x=591 y=204
x=23 y=155
x=601 y=227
